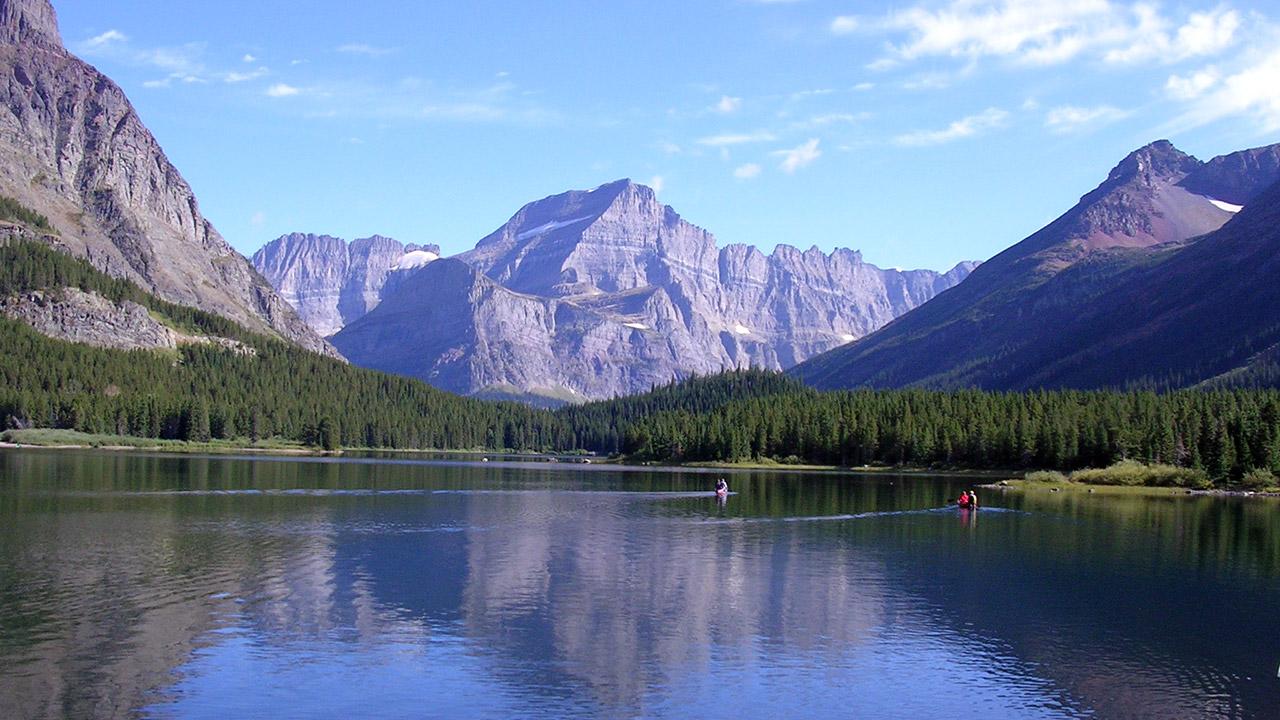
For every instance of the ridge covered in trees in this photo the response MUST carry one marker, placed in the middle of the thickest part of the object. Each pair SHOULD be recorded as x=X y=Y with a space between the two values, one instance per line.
x=203 y=391
x=207 y=392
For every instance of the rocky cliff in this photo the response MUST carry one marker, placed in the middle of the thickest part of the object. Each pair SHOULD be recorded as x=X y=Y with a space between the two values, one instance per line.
x=331 y=282
x=1113 y=272
x=73 y=149
x=84 y=317
x=592 y=294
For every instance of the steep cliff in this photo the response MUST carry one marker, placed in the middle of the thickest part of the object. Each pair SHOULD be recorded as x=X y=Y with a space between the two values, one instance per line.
x=592 y=294
x=73 y=149
x=330 y=282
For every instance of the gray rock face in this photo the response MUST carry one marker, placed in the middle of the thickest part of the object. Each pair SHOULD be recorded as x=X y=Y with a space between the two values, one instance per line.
x=77 y=316
x=330 y=282
x=606 y=292
x=73 y=149
x=74 y=315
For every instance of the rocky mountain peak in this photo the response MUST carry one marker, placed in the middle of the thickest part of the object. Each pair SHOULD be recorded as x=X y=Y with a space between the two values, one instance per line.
x=29 y=22
x=1159 y=160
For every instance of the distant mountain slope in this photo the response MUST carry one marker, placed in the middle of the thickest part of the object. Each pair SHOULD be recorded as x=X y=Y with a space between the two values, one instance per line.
x=73 y=149
x=331 y=282
x=592 y=294
x=1114 y=292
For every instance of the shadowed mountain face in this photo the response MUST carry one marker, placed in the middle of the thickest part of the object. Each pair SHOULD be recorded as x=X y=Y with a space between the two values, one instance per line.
x=1152 y=279
x=592 y=294
x=73 y=149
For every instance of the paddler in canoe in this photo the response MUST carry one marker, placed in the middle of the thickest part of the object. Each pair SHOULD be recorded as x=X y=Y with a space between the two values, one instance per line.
x=722 y=488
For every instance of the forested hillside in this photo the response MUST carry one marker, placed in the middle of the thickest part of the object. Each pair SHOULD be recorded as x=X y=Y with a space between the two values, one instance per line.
x=1225 y=433
x=199 y=392
x=202 y=391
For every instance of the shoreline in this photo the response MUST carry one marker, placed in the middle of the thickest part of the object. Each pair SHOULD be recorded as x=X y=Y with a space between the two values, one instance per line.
x=1148 y=490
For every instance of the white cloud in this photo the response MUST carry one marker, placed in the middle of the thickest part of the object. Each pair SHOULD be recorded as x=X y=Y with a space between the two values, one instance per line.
x=962 y=128
x=669 y=148
x=1203 y=34
x=657 y=183
x=1194 y=85
x=248 y=58
x=728 y=104
x=1069 y=118
x=239 y=77
x=280 y=90
x=1249 y=91
x=735 y=139
x=863 y=86
x=258 y=218
x=798 y=157
x=106 y=38
x=826 y=119
x=1045 y=32
x=746 y=172
x=364 y=49
x=844 y=24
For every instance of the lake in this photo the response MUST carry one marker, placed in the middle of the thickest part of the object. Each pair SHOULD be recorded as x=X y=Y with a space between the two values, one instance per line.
x=167 y=586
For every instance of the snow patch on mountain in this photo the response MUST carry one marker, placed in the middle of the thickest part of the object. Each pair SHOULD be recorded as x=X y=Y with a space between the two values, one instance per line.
x=548 y=227
x=415 y=259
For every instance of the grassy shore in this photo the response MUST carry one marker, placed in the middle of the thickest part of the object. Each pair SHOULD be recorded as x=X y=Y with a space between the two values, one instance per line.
x=1130 y=477
x=72 y=439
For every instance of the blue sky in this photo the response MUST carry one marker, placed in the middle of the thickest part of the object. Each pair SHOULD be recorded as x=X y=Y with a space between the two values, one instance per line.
x=922 y=133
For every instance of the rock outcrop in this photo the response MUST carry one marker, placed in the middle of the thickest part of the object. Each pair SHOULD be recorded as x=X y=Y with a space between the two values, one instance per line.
x=330 y=282
x=84 y=317
x=593 y=294
x=1099 y=297
x=73 y=149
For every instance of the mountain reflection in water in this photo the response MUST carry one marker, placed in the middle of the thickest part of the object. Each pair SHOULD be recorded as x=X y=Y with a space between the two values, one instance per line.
x=213 y=587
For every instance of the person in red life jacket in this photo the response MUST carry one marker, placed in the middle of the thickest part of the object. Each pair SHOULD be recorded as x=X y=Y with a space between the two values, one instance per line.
x=963 y=501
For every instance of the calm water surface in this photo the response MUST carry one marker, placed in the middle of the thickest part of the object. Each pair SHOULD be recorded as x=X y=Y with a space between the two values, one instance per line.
x=201 y=587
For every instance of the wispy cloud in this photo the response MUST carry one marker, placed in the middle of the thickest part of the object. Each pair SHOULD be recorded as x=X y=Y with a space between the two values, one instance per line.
x=1068 y=118
x=248 y=58
x=728 y=104
x=798 y=157
x=1044 y=32
x=183 y=64
x=657 y=183
x=827 y=119
x=747 y=171
x=844 y=24
x=1249 y=90
x=365 y=49
x=280 y=90
x=239 y=77
x=727 y=139
x=962 y=128
x=106 y=38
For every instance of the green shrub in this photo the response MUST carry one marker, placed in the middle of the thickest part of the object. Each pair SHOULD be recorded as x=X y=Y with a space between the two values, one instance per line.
x=1132 y=473
x=1259 y=479
x=1045 y=476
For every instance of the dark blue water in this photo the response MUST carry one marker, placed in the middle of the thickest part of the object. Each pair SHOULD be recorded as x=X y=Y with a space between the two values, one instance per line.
x=192 y=587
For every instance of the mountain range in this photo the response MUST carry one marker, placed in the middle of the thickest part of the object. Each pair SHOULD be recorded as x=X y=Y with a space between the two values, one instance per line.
x=73 y=149
x=593 y=294
x=1163 y=276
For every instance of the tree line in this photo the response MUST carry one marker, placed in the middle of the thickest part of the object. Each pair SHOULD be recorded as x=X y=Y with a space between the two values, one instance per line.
x=201 y=392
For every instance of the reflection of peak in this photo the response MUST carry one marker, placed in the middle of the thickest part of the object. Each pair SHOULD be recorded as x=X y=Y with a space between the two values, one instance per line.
x=29 y=21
